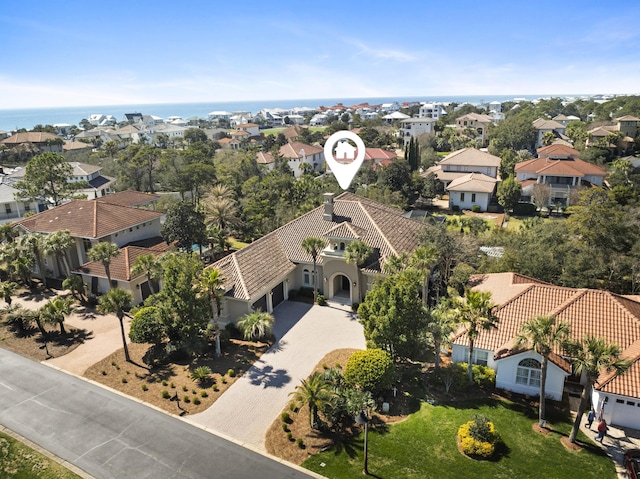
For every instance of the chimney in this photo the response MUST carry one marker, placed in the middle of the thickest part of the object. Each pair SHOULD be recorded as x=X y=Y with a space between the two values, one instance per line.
x=328 y=207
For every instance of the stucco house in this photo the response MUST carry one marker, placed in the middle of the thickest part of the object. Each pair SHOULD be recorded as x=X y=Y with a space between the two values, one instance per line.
x=559 y=167
x=10 y=207
x=477 y=122
x=44 y=141
x=542 y=126
x=261 y=275
x=414 y=127
x=296 y=153
x=603 y=314
x=473 y=189
x=94 y=221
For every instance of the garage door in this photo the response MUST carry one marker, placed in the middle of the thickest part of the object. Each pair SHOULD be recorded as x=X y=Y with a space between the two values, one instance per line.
x=278 y=294
x=626 y=412
x=260 y=304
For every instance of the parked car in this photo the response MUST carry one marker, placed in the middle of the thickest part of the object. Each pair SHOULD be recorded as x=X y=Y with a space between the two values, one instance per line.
x=632 y=463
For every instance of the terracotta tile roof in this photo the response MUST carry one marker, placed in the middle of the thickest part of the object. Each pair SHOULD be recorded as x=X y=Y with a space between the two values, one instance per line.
x=128 y=198
x=557 y=151
x=602 y=131
x=568 y=167
x=476 y=182
x=120 y=267
x=470 y=157
x=345 y=230
x=627 y=384
x=502 y=286
x=264 y=158
x=627 y=118
x=479 y=117
x=29 y=137
x=588 y=312
x=87 y=219
x=379 y=154
x=543 y=124
x=247 y=125
x=293 y=148
x=560 y=117
x=292 y=132
x=276 y=254
x=75 y=145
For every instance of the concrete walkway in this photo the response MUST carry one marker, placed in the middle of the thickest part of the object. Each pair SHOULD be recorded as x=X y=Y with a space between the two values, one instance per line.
x=104 y=334
x=304 y=335
x=617 y=441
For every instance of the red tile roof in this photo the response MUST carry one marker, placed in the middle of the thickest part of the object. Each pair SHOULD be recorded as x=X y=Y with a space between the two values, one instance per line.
x=557 y=151
x=293 y=149
x=87 y=219
x=29 y=137
x=128 y=198
x=566 y=167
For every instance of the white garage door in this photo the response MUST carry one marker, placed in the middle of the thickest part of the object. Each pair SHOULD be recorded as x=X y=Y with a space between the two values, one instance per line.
x=626 y=412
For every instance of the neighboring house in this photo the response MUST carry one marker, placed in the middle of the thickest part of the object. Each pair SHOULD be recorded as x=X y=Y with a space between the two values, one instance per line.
x=390 y=107
x=395 y=116
x=230 y=143
x=45 y=142
x=3 y=134
x=91 y=222
x=10 y=208
x=292 y=132
x=432 y=110
x=414 y=127
x=252 y=129
x=559 y=167
x=98 y=119
x=318 y=119
x=543 y=126
x=598 y=313
x=379 y=157
x=297 y=153
x=476 y=122
x=131 y=198
x=473 y=189
x=173 y=132
x=620 y=135
x=462 y=162
x=261 y=275
x=63 y=129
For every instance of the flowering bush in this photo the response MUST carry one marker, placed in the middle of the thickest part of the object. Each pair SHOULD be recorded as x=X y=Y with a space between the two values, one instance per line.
x=478 y=438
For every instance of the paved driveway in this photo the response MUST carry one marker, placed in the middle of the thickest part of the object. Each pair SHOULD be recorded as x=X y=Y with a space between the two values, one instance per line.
x=304 y=334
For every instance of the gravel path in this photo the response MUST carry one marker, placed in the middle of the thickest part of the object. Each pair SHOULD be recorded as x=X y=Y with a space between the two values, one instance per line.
x=305 y=334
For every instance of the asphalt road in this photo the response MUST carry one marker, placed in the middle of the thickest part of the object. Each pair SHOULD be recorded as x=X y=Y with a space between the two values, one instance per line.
x=110 y=436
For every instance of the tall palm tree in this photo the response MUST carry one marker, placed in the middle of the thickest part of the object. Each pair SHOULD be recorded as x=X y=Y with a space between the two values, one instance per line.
x=75 y=284
x=357 y=252
x=21 y=267
x=255 y=325
x=117 y=300
x=7 y=233
x=313 y=246
x=442 y=322
x=7 y=290
x=59 y=243
x=395 y=264
x=423 y=259
x=475 y=311
x=104 y=252
x=590 y=357
x=36 y=244
x=211 y=283
x=314 y=392
x=542 y=334
x=220 y=207
x=55 y=311
x=150 y=265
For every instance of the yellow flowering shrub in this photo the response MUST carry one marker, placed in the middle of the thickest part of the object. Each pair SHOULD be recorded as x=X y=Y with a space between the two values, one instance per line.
x=482 y=446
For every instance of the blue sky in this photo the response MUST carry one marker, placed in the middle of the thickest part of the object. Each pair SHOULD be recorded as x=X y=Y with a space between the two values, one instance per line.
x=76 y=53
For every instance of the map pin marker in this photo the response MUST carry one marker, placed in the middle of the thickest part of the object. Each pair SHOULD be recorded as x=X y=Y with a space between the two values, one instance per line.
x=344 y=172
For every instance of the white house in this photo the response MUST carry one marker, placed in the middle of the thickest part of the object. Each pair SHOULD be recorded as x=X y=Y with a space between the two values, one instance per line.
x=432 y=110
x=10 y=207
x=603 y=314
x=390 y=107
x=414 y=127
x=543 y=126
x=295 y=153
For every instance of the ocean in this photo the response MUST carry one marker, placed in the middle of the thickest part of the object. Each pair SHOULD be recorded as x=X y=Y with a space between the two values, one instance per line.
x=13 y=119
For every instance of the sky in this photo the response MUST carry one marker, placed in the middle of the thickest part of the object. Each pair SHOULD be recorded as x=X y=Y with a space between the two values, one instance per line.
x=77 y=53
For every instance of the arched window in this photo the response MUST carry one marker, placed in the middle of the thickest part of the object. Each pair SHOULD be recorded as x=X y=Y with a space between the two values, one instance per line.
x=306 y=277
x=528 y=372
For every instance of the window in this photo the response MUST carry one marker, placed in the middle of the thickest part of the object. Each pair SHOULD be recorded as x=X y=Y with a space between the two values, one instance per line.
x=473 y=197
x=478 y=357
x=341 y=246
x=27 y=207
x=7 y=208
x=620 y=401
x=86 y=244
x=461 y=196
x=528 y=372
x=306 y=277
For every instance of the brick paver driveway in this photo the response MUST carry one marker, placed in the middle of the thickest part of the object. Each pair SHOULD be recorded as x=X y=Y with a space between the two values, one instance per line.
x=304 y=335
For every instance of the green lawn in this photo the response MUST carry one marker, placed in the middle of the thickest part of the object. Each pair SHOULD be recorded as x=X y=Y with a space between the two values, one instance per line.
x=275 y=131
x=424 y=446
x=18 y=461
x=237 y=244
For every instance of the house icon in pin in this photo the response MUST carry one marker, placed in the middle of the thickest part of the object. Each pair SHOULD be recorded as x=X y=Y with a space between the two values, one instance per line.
x=345 y=151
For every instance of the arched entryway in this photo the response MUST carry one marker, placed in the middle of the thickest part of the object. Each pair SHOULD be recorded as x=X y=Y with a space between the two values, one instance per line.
x=341 y=289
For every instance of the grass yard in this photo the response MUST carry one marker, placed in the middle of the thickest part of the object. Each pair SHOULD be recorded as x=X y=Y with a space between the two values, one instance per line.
x=275 y=131
x=237 y=244
x=18 y=461
x=424 y=445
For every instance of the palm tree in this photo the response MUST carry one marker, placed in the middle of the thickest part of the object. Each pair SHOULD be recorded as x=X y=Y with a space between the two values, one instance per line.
x=75 y=284
x=36 y=244
x=357 y=253
x=150 y=265
x=313 y=246
x=220 y=207
x=211 y=283
x=104 y=252
x=56 y=310
x=21 y=267
x=395 y=264
x=7 y=290
x=117 y=300
x=548 y=138
x=217 y=238
x=423 y=259
x=441 y=325
x=314 y=392
x=255 y=325
x=542 y=334
x=59 y=243
x=590 y=357
x=475 y=311
x=7 y=233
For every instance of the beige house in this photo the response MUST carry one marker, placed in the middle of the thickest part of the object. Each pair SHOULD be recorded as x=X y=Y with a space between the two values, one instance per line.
x=477 y=122
x=261 y=275
x=543 y=126
x=44 y=141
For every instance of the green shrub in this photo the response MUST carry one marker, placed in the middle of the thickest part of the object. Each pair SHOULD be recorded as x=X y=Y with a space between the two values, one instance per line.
x=370 y=370
x=455 y=208
x=354 y=307
x=300 y=443
x=164 y=382
x=124 y=381
x=478 y=437
x=145 y=387
x=476 y=208
x=285 y=417
x=483 y=376
x=173 y=386
x=453 y=376
x=524 y=209
x=196 y=400
x=285 y=427
x=185 y=388
x=186 y=398
x=201 y=374
x=215 y=388
x=231 y=373
x=321 y=300
x=165 y=394
x=290 y=436
x=204 y=394
x=293 y=407
x=224 y=380
x=104 y=373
